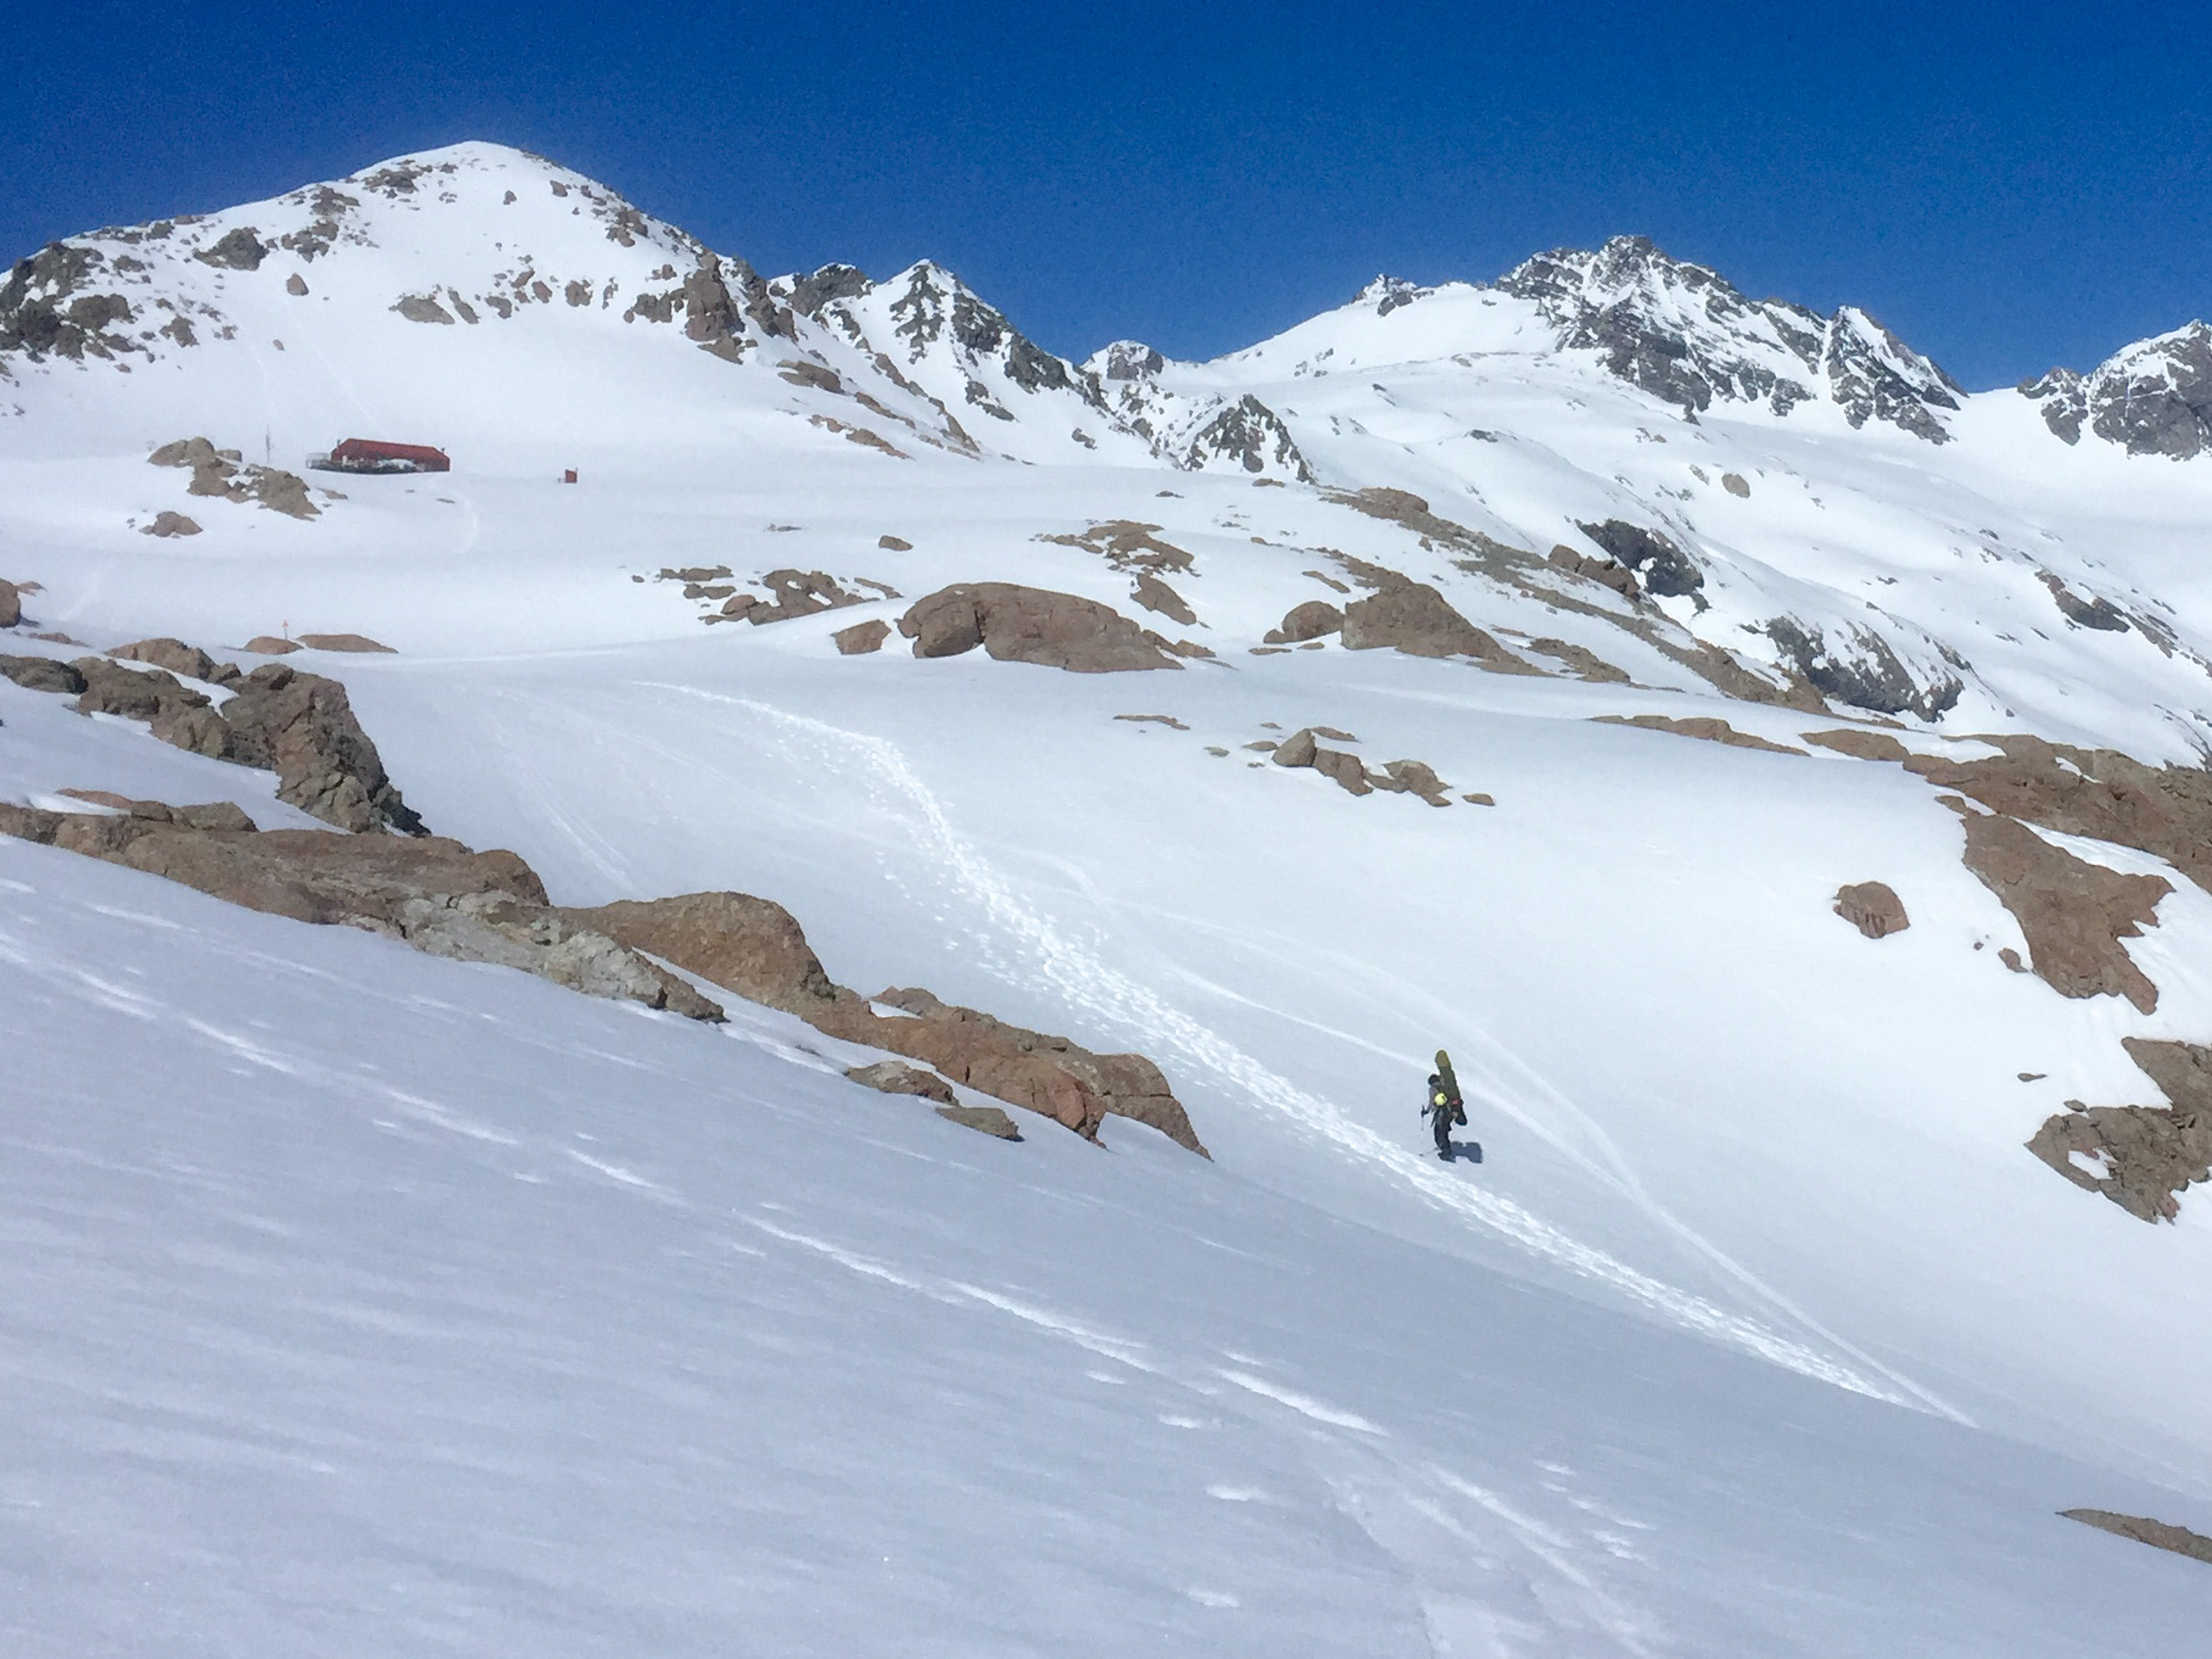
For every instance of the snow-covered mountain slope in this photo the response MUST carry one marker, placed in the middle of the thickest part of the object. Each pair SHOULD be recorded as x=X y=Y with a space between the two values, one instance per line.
x=1755 y=1254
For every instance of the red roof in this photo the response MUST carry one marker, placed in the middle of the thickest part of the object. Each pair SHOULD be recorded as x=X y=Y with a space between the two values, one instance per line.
x=377 y=450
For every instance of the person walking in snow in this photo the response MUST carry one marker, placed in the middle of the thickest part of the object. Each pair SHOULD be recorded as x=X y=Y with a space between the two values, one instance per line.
x=1444 y=1110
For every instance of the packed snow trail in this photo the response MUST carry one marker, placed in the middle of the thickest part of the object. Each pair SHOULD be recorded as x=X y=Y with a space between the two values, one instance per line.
x=1042 y=952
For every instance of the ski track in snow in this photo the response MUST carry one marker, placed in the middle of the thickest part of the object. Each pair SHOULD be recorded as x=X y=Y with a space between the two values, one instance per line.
x=1082 y=981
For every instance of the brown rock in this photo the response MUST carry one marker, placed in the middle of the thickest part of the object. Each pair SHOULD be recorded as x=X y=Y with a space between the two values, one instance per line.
x=1711 y=730
x=302 y=727
x=1155 y=595
x=2097 y=793
x=987 y=1120
x=1296 y=750
x=754 y=947
x=1859 y=744
x=42 y=674
x=179 y=658
x=1735 y=484
x=2074 y=914
x=1413 y=618
x=1582 y=662
x=296 y=285
x=345 y=643
x=745 y=944
x=800 y=593
x=11 y=605
x=270 y=646
x=1414 y=778
x=861 y=638
x=1873 y=907
x=1311 y=621
x=2142 y=1158
x=1029 y=625
x=436 y=894
x=1128 y=545
x=2158 y=1534
x=167 y=524
x=1604 y=572
x=894 y=544
x=898 y=1077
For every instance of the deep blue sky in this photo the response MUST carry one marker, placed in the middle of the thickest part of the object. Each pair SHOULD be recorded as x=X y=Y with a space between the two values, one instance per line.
x=2006 y=186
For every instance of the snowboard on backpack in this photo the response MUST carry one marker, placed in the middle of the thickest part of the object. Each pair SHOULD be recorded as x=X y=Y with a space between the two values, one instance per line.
x=1450 y=1083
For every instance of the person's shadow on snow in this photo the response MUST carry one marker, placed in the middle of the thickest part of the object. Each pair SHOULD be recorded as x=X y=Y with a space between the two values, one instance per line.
x=1470 y=1151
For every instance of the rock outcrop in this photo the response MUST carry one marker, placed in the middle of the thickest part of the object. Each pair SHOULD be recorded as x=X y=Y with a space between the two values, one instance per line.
x=1702 y=726
x=302 y=727
x=2142 y=1158
x=1315 y=618
x=227 y=474
x=984 y=1120
x=1302 y=749
x=1413 y=618
x=861 y=638
x=11 y=605
x=898 y=1077
x=2158 y=1534
x=1028 y=624
x=755 y=949
x=436 y=894
x=2097 y=793
x=1873 y=907
x=2073 y=913
x=1661 y=566
x=42 y=674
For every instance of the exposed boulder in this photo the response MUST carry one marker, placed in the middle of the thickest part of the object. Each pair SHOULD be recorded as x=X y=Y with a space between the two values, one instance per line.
x=752 y=947
x=756 y=949
x=270 y=646
x=166 y=523
x=1663 y=568
x=224 y=473
x=1314 y=620
x=2073 y=913
x=1735 y=484
x=345 y=643
x=1604 y=572
x=800 y=593
x=2141 y=1157
x=436 y=894
x=1155 y=595
x=862 y=638
x=1413 y=778
x=239 y=251
x=302 y=727
x=1873 y=907
x=2158 y=1534
x=11 y=605
x=1029 y=625
x=42 y=674
x=176 y=714
x=1413 y=618
x=984 y=1119
x=898 y=1077
x=179 y=658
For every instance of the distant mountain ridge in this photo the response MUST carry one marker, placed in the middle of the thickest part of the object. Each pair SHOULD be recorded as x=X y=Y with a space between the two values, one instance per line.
x=1674 y=330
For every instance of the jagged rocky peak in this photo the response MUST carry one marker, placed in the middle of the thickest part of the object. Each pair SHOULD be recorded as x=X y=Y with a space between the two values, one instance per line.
x=1125 y=360
x=469 y=235
x=1387 y=294
x=2152 y=397
x=1683 y=333
x=1244 y=435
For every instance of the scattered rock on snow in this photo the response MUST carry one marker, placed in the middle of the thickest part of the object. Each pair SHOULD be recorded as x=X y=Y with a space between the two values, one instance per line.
x=270 y=646
x=1311 y=621
x=345 y=643
x=2158 y=1534
x=1155 y=595
x=436 y=894
x=987 y=1120
x=1873 y=907
x=2074 y=914
x=754 y=947
x=862 y=638
x=1414 y=618
x=2141 y=1157
x=898 y=1077
x=1029 y=625
x=166 y=523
